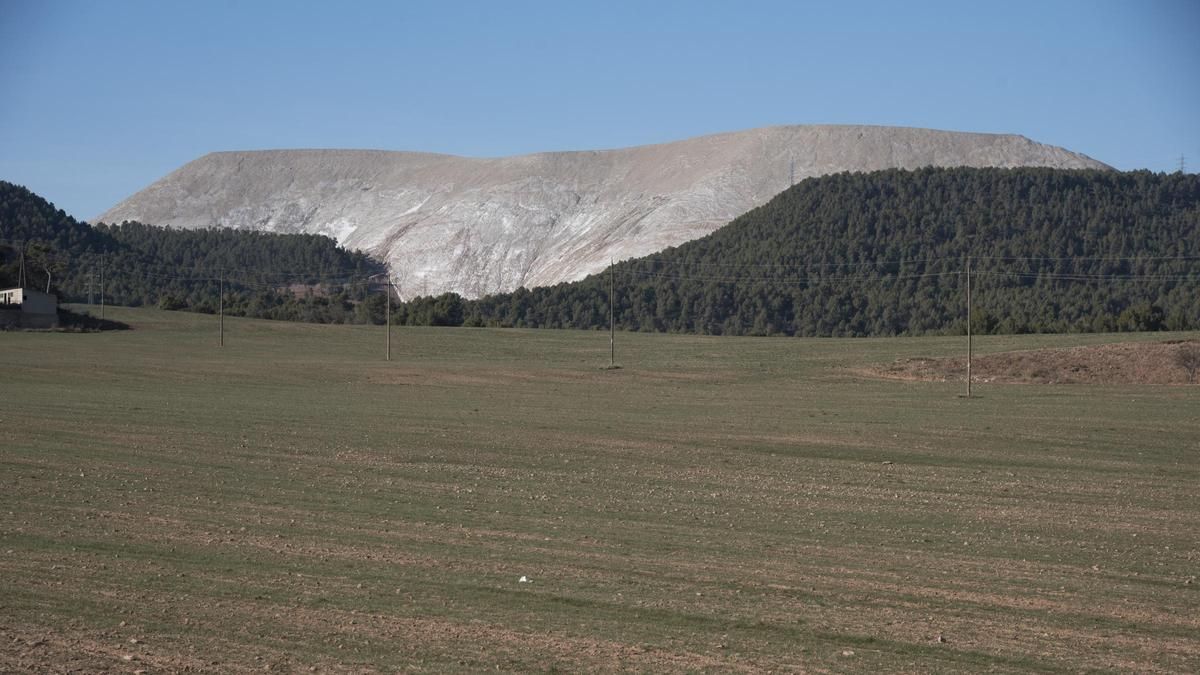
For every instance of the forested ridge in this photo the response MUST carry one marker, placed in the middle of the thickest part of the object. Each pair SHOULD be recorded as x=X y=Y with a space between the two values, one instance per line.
x=885 y=253
x=267 y=275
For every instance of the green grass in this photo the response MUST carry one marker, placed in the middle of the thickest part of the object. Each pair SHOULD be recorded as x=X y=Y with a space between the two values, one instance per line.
x=293 y=500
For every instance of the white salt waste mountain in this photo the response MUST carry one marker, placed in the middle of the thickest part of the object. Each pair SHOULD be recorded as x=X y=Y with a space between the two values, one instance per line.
x=477 y=226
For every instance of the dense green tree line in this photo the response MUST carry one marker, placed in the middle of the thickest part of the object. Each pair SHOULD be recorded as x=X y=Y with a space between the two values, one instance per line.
x=278 y=276
x=884 y=253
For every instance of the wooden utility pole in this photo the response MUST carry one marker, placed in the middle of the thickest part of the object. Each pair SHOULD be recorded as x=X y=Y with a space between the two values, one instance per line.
x=969 y=327
x=388 y=319
x=101 y=285
x=221 y=309
x=612 y=326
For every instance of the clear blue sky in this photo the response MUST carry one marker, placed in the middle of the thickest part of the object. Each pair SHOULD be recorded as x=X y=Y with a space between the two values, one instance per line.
x=100 y=98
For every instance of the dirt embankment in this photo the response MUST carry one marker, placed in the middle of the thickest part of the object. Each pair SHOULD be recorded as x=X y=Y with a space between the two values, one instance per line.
x=1122 y=363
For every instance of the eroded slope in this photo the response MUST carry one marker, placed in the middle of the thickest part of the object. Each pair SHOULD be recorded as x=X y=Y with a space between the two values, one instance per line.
x=477 y=226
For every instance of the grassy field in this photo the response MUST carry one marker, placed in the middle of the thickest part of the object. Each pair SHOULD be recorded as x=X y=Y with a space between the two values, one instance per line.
x=292 y=502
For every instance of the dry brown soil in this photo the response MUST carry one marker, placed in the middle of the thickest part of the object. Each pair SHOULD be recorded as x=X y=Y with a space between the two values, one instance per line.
x=1123 y=363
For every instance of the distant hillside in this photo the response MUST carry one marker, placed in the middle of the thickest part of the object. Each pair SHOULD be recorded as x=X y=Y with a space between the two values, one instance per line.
x=181 y=269
x=478 y=226
x=884 y=253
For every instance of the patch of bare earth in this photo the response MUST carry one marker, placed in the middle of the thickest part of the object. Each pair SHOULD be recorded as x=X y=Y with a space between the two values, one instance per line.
x=1120 y=363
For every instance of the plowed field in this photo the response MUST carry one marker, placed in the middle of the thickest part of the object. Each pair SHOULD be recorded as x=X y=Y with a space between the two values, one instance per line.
x=497 y=500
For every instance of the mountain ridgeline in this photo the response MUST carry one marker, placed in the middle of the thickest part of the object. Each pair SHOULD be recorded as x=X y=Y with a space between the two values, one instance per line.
x=295 y=276
x=885 y=253
x=477 y=226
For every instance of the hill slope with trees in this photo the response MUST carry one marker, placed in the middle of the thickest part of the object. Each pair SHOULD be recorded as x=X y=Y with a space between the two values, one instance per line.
x=852 y=254
x=278 y=276
x=475 y=226
x=885 y=253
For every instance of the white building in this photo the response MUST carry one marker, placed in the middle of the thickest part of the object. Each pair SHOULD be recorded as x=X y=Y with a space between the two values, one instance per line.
x=33 y=309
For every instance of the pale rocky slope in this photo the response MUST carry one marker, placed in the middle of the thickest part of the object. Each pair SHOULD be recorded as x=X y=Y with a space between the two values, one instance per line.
x=478 y=226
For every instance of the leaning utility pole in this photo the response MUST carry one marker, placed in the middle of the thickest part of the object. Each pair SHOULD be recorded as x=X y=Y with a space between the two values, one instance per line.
x=221 y=309
x=388 y=320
